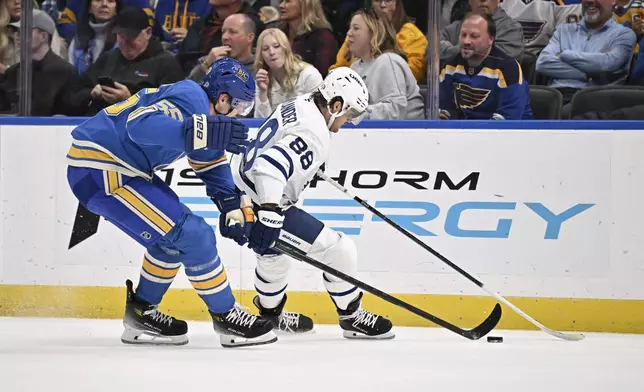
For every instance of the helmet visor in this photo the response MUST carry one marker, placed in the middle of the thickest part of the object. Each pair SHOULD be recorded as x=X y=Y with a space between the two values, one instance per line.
x=244 y=107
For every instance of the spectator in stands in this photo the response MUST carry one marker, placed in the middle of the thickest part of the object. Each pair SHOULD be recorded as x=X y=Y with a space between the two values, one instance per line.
x=309 y=32
x=53 y=78
x=9 y=36
x=539 y=19
x=238 y=35
x=13 y=7
x=174 y=17
x=393 y=90
x=482 y=82
x=137 y=62
x=206 y=33
x=68 y=18
x=93 y=35
x=269 y=15
x=51 y=8
x=280 y=74
x=594 y=52
x=630 y=14
x=508 y=39
x=339 y=13
x=410 y=40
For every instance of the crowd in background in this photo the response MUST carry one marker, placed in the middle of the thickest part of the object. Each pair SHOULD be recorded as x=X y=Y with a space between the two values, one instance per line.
x=89 y=54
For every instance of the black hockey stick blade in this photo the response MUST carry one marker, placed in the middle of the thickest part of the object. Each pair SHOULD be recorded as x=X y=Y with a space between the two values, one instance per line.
x=85 y=226
x=473 y=334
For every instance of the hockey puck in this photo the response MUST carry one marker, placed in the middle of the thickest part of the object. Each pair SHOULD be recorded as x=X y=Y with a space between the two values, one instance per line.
x=494 y=339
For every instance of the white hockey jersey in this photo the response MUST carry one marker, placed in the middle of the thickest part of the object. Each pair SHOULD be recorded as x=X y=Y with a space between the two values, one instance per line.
x=539 y=19
x=284 y=154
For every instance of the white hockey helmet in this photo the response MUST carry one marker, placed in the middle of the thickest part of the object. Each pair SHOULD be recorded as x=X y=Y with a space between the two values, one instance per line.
x=345 y=83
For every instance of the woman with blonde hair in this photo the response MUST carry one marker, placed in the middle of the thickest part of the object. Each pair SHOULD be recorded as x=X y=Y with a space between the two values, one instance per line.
x=309 y=32
x=408 y=37
x=281 y=75
x=393 y=89
x=9 y=35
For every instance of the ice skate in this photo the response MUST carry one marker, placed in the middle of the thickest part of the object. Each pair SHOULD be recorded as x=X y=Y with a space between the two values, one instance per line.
x=285 y=322
x=238 y=328
x=357 y=323
x=145 y=324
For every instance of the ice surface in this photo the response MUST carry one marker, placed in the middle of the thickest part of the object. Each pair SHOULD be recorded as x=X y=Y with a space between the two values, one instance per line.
x=87 y=355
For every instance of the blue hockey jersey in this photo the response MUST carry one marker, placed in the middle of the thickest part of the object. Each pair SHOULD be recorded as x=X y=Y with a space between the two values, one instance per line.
x=495 y=89
x=145 y=133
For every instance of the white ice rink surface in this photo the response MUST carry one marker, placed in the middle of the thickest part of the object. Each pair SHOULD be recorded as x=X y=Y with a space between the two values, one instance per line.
x=87 y=355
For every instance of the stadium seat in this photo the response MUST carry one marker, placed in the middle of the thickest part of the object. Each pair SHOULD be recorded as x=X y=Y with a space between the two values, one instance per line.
x=546 y=103
x=528 y=63
x=606 y=99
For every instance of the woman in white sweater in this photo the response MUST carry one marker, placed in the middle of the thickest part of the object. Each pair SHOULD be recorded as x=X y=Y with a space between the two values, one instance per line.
x=281 y=75
x=393 y=89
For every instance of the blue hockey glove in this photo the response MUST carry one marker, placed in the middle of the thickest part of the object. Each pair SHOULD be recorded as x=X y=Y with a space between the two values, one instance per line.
x=266 y=230
x=236 y=218
x=216 y=132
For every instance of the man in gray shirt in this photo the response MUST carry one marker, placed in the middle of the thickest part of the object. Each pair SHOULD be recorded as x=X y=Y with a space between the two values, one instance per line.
x=509 y=38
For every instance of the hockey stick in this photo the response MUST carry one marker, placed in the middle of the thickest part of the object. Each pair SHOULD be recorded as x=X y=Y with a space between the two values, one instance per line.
x=560 y=335
x=481 y=330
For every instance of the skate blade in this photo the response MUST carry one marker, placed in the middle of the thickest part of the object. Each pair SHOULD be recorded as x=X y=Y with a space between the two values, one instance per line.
x=135 y=336
x=281 y=332
x=231 y=341
x=360 y=336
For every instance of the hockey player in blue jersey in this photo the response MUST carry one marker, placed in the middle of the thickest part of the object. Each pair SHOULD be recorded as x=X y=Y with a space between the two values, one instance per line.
x=111 y=171
x=482 y=82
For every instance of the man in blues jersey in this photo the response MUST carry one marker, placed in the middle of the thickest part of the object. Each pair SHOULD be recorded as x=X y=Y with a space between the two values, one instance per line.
x=111 y=171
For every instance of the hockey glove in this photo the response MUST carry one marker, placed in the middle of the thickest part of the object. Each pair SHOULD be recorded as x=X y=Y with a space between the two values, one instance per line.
x=235 y=219
x=215 y=132
x=266 y=230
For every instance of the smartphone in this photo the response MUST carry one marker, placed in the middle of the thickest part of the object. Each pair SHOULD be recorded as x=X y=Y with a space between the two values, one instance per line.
x=106 y=81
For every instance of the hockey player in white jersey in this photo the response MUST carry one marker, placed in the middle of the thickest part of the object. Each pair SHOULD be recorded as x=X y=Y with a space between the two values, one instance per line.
x=278 y=165
x=539 y=19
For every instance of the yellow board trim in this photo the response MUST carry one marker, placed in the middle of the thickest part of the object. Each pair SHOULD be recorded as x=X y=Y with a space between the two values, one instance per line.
x=567 y=314
x=210 y=283
x=142 y=207
x=159 y=272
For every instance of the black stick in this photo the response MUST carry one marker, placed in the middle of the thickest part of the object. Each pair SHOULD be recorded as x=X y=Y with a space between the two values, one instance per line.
x=481 y=330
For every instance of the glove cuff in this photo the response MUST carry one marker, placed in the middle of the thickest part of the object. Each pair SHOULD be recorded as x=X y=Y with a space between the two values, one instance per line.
x=226 y=203
x=270 y=219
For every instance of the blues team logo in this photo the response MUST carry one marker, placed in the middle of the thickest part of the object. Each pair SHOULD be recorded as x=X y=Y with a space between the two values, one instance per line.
x=241 y=74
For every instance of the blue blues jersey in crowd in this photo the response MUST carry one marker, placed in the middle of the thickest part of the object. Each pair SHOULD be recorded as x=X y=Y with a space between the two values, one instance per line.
x=495 y=89
x=170 y=14
x=145 y=133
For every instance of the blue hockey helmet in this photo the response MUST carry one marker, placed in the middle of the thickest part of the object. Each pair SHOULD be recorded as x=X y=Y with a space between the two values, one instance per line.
x=229 y=76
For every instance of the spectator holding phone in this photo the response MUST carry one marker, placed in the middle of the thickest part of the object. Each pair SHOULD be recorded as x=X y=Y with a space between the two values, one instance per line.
x=281 y=75
x=138 y=62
